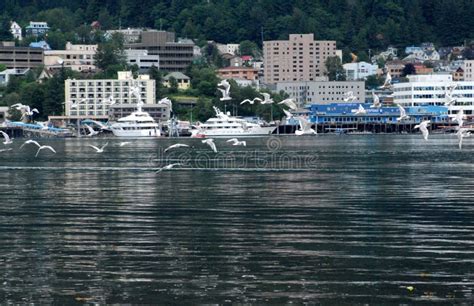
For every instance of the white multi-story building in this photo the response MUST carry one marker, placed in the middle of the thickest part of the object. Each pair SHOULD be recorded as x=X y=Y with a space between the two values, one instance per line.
x=228 y=48
x=431 y=90
x=76 y=57
x=91 y=95
x=142 y=59
x=468 y=70
x=359 y=70
x=15 y=29
x=130 y=35
x=37 y=28
x=322 y=92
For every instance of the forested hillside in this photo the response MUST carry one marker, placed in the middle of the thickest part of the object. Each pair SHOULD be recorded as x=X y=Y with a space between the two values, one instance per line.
x=356 y=24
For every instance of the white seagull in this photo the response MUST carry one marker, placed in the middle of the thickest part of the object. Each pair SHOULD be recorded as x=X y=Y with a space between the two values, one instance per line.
x=403 y=113
x=290 y=103
x=210 y=143
x=251 y=101
x=167 y=102
x=423 y=126
x=92 y=132
x=8 y=140
x=266 y=98
x=168 y=167
x=459 y=117
x=305 y=127
x=28 y=142
x=45 y=147
x=388 y=81
x=288 y=114
x=226 y=91
x=109 y=100
x=361 y=110
x=376 y=99
x=99 y=150
x=178 y=145
x=124 y=143
x=462 y=133
x=5 y=150
x=349 y=97
x=236 y=142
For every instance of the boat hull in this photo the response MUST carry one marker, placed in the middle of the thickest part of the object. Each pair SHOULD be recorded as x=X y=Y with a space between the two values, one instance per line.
x=238 y=132
x=142 y=132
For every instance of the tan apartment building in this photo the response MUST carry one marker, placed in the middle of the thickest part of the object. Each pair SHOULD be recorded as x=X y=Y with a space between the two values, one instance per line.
x=173 y=56
x=395 y=68
x=245 y=73
x=77 y=57
x=20 y=57
x=301 y=58
x=469 y=70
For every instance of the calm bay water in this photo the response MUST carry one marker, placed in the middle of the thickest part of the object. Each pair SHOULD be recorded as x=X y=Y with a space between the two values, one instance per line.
x=326 y=219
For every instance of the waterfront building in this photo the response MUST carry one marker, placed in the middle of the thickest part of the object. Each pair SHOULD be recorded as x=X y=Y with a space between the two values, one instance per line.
x=142 y=59
x=174 y=56
x=324 y=92
x=36 y=28
x=16 y=30
x=301 y=58
x=77 y=57
x=91 y=95
x=345 y=114
x=184 y=82
x=469 y=70
x=458 y=75
x=20 y=57
x=359 y=70
x=423 y=90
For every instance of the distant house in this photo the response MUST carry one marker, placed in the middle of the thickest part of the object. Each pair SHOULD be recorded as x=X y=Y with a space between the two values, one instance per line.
x=37 y=28
x=395 y=68
x=40 y=44
x=458 y=75
x=389 y=54
x=5 y=75
x=182 y=79
x=15 y=29
x=232 y=72
x=95 y=25
x=422 y=69
x=228 y=48
x=359 y=71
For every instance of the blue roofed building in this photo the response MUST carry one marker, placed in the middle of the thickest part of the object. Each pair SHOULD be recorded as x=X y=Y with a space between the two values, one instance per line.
x=40 y=44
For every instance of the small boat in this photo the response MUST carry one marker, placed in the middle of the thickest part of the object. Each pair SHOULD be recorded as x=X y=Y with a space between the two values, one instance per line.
x=137 y=124
x=225 y=125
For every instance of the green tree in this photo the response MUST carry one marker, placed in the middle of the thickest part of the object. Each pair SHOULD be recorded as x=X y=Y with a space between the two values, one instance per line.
x=248 y=47
x=110 y=56
x=5 y=33
x=173 y=85
x=156 y=75
x=334 y=69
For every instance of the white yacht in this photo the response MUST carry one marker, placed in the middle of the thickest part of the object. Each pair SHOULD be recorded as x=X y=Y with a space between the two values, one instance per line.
x=137 y=124
x=224 y=125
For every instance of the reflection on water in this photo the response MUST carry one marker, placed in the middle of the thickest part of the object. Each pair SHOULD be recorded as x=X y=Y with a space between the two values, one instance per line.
x=353 y=219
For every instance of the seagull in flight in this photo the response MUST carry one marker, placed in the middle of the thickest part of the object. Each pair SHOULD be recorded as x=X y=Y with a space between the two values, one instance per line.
x=28 y=142
x=388 y=81
x=251 y=101
x=210 y=143
x=361 y=110
x=92 y=132
x=290 y=103
x=349 y=97
x=5 y=150
x=305 y=127
x=376 y=99
x=423 y=126
x=124 y=143
x=236 y=142
x=403 y=113
x=168 y=167
x=288 y=114
x=266 y=98
x=99 y=150
x=166 y=101
x=178 y=145
x=44 y=147
x=462 y=133
x=459 y=117
x=8 y=140
x=226 y=91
